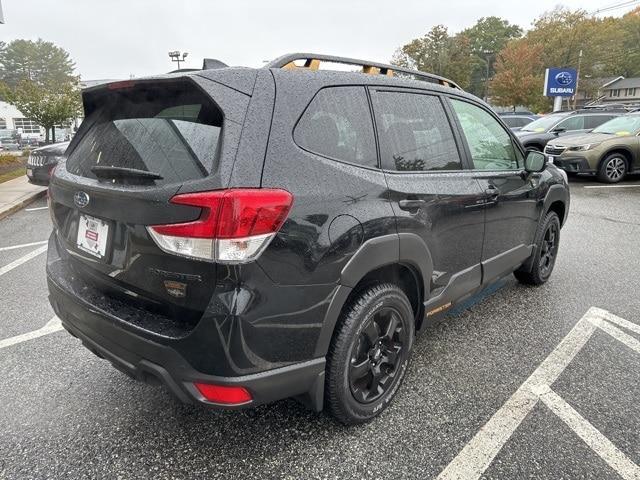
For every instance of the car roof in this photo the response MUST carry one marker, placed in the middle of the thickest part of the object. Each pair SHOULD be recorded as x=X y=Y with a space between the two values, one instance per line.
x=243 y=79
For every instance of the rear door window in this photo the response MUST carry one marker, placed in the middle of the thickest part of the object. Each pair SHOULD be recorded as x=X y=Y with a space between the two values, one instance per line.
x=414 y=132
x=337 y=124
x=593 y=121
x=572 y=123
x=172 y=131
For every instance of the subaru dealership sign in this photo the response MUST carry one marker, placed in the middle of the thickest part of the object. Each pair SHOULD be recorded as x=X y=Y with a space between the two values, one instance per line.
x=560 y=82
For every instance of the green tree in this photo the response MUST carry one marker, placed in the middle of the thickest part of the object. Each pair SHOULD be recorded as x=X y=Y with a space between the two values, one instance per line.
x=629 y=55
x=43 y=104
x=461 y=57
x=486 y=39
x=41 y=62
x=437 y=53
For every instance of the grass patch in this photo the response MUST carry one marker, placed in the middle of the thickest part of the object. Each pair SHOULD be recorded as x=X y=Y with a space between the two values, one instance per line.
x=10 y=175
x=7 y=159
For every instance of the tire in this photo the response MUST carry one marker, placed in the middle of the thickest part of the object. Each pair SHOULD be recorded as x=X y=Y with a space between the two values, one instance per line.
x=545 y=252
x=362 y=360
x=613 y=168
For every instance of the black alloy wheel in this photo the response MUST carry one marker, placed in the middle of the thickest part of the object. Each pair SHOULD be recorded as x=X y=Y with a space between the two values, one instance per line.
x=538 y=268
x=369 y=353
x=376 y=355
x=549 y=249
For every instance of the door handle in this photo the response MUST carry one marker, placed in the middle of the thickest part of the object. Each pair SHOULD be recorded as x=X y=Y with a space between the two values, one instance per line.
x=491 y=191
x=411 y=204
x=492 y=194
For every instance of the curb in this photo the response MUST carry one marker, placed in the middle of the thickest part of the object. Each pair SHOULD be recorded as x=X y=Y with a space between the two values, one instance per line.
x=6 y=211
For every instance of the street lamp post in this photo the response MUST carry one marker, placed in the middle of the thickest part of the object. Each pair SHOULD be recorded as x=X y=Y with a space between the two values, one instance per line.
x=488 y=56
x=177 y=56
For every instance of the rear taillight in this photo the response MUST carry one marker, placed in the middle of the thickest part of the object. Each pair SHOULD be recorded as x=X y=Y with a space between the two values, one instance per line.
x=227 y=395
x=235 y=226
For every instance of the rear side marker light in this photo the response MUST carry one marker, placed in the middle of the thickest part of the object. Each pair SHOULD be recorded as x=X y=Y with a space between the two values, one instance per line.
x=235 y=225
x=227 y=395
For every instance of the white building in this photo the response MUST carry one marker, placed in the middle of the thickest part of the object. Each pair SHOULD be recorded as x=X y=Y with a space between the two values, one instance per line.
x=12 y=119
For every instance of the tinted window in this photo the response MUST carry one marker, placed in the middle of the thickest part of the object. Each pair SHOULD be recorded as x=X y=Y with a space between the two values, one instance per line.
x=593 y=121
x=572 y=123
x=544 y=123
x=491 y=146
x=414 y=133
x=337 y=124
x=171 y=131
x=512 y=122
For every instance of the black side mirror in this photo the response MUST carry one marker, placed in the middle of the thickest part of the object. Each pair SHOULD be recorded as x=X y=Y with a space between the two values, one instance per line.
x=558 y=130
x=535 y=161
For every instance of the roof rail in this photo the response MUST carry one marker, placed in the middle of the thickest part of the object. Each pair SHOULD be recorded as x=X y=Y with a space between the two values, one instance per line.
x=312 y=62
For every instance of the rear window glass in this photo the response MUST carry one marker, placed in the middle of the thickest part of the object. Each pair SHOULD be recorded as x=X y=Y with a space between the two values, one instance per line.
x=337 y=124
x=172 y=131
x=414 y=133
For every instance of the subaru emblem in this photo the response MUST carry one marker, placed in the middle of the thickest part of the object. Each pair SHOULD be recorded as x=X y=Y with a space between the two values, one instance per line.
x=564 y=78
x=81 y=199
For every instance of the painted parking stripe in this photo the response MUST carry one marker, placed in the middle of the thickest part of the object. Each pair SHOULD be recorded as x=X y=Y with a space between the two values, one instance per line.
x=611 y=186
x=52 y=326
x=619 y=335
x=22 y=245
x=478 y=454
x=591 y=436
x=23 y=259
x=610 y=317
x=35 y=209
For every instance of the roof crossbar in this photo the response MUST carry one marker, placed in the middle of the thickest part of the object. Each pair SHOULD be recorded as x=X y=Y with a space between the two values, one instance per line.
x=312 y=62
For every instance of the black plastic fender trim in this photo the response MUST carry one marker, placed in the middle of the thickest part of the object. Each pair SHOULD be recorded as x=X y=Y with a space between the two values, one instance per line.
x=405 y=248
x=556 y=193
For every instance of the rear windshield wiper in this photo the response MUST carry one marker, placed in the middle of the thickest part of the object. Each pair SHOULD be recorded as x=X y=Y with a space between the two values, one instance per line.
x=124 y=172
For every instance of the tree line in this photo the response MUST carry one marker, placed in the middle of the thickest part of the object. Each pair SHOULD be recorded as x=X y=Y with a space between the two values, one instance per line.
x=38 y=78
x=500 y=60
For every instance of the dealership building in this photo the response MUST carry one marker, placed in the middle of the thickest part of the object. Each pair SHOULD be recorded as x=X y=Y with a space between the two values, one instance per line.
x=11 y=119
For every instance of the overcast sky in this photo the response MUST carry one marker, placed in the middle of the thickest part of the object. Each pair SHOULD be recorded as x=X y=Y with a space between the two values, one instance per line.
x=119 y=38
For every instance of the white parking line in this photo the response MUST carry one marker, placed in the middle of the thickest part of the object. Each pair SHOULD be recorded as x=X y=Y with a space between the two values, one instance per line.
x=22 y=245
x=478 y=454
x=35 y=209
x=591 y=436
x=23 y=259
x=611 y=186
x=52 y=326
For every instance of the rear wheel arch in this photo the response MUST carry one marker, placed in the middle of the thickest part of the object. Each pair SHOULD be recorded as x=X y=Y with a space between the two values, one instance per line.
x=559 y=207
x=403 y=260
x=557 y=200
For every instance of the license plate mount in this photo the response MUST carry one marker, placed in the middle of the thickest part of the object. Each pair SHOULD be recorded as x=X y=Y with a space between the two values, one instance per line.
x=93 y=234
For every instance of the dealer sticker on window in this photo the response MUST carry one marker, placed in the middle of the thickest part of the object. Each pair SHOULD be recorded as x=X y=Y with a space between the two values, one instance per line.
x=92 y=235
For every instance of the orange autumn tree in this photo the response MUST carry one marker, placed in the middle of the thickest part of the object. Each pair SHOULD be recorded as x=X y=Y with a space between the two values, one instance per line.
x=517 y=80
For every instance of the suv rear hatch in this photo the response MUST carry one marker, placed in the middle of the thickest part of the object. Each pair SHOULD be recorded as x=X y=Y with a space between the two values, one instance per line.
x=140 y=144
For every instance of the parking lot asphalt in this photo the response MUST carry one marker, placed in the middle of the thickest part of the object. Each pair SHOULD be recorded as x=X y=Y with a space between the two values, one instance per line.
x=64 y=413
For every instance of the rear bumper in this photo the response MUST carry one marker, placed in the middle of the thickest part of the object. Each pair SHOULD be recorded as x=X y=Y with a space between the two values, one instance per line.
x=151 y=362
x=157 y=359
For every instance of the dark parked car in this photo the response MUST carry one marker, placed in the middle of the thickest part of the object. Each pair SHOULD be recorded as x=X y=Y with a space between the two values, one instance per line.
x=536 y=134
x=9 y=144
x=43 y=160
x=516 y=120
x=246 y=235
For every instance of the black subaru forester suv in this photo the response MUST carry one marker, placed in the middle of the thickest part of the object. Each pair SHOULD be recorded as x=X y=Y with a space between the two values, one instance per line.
x=246 y=235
